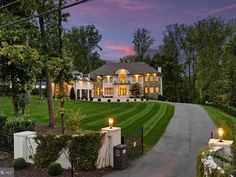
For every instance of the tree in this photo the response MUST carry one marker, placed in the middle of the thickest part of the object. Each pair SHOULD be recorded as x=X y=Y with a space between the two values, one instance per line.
x=72 y=93
x=19 y=65
x=82 y=43
x=142 y=41
x=136 y=89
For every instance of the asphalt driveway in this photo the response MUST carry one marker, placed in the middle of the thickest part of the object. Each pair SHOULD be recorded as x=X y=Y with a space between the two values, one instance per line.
x=175 y=153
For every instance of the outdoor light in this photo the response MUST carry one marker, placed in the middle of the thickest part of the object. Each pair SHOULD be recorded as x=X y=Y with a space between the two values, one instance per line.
x=220 y=132
x=110 y=121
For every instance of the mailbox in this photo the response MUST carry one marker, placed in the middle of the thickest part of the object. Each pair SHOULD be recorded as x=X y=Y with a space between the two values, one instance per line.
x=120 y=156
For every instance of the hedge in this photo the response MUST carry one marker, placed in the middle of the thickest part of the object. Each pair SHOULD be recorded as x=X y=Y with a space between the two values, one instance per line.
x=19 y=124
x=84 y=147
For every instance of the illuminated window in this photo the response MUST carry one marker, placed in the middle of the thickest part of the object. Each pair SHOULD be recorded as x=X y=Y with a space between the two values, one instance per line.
x=157 y=78
x=157 y=90
x=139 y=78
x=151 y=78
x=111 y=79
x=133 y=79
x=105 y=80
x=122 y=78
x=146 y=89
x=108 y=91
x=146 y=78
x=151 y=90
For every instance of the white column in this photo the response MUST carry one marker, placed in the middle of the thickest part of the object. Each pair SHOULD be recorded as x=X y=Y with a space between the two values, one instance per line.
x=113 y=138
x=80 y=92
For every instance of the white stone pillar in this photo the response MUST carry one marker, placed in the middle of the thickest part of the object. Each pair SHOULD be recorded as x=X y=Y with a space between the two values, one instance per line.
x=114 y=138
x=80 y=93
x=20 y=144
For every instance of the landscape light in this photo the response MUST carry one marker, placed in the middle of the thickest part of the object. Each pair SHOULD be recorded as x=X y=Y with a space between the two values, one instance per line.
x=110 y=122
x=220 y=132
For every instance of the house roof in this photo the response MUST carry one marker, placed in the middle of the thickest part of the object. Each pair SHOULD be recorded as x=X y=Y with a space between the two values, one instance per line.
x=133 y=68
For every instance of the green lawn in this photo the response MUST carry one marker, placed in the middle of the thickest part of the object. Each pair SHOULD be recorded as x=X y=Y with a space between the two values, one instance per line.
x=222 y=119
x=129 y=116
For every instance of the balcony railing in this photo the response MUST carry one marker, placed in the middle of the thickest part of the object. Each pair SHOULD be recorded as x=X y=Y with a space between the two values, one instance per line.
x=121 y=83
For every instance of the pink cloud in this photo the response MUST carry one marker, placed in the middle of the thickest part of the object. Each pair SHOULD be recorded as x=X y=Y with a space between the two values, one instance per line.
x=214 y=11
x=222 y=9
x=116 y=47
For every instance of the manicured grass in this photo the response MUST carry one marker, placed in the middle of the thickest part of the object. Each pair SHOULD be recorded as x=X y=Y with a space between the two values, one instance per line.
x=222 y=119
x=153 y=116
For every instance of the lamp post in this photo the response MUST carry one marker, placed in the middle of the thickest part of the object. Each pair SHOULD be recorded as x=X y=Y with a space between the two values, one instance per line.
x=110 y=122
x=220 y=132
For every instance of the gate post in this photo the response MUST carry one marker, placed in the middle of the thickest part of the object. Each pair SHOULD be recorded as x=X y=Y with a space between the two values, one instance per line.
x=114 y=138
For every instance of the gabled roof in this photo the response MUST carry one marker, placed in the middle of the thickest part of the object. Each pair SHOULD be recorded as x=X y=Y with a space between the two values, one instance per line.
x=133 y=68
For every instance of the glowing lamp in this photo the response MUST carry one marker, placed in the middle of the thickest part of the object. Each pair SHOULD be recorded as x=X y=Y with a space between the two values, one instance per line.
x=110 y=122
x=220 y=132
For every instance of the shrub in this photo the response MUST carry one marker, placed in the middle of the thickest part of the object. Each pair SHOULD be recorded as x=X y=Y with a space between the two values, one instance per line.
x=19 y=124
x=108 y=100
x=19 y=163
x=86 y=99
x=161 y=98
x=73 y=120
x=86 y=148
x=54 y=169
x=135 y=100
x=3 y=120
x=127 y=100
x=44 y=154
x=91 y=99
x=72 y=93
x=118 y=100
x=141 y=99
x=99 y=99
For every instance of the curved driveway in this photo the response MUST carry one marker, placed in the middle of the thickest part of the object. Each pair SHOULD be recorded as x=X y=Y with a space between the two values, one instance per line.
x=175 y=153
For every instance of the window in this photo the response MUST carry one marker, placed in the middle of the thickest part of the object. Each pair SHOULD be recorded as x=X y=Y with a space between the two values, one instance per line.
x=151 y=78
x=157 y=90
x=122 y=78
x=111 y=79
x=151 y=90
x=108 y=91
x=105 y=80
x=146 y=89
x=133 y=79
x=146 y=78
x=139 y=79
x=157 y=78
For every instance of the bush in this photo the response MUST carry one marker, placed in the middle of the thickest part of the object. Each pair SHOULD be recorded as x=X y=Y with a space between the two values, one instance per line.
x=54 y=169
x=86 y=99
x=118 y=100
x=3 y=120
x=20 y=124
x=127 y=100
x=72 y=93
x=141 y=99
x=91 y=99
x=99 y=99
x=108 y=100
x=19 y=163
x=135 y=100
x=161 y=98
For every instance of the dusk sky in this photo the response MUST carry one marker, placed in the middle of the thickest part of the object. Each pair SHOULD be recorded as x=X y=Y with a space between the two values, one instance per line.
x=117 y=19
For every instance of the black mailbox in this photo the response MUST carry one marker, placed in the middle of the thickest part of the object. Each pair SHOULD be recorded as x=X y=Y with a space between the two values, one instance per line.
x=120 y=156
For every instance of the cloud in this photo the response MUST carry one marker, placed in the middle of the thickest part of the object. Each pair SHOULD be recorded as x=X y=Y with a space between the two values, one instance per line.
x=222 y=9
x=132 y=5
x=214 y=11
x=119 y=48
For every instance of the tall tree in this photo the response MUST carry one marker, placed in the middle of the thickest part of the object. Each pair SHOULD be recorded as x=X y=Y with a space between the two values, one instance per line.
x=19 y=65
x=142 y=42
x=82 y=43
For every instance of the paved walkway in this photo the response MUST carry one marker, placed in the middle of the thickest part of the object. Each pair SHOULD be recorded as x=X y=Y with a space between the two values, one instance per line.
x=175 y=154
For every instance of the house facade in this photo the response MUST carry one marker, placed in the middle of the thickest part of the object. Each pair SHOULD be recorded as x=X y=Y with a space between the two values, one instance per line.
x=114 y=80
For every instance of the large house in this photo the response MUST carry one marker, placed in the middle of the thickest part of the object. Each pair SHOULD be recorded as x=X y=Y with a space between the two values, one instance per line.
x=114 y=80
